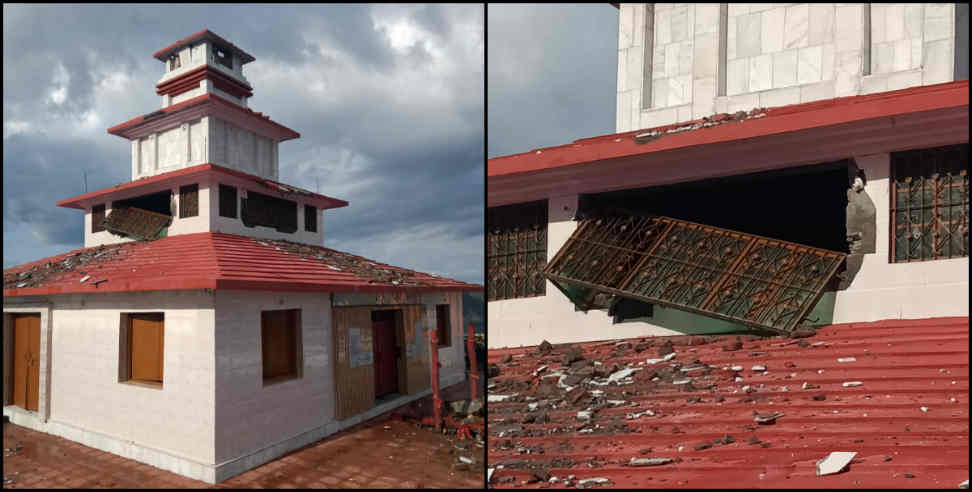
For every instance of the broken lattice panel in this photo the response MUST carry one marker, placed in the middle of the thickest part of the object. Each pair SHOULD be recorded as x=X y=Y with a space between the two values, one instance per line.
x=715 y=272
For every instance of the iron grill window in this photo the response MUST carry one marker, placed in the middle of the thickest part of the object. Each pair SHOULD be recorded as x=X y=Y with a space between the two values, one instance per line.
x=227 y=201
x=268 y=211
x=930 y=204
x=517 y=250
x=98 y=218
x=310 y=218
x=189 y=201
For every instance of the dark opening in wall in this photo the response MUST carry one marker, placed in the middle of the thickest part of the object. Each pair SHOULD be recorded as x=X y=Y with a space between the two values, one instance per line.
x=264 y=210
x=805 y=205
x=227 y=201
x=160 y=203
x=98 y=218
x=223 y=55
x=310 y=218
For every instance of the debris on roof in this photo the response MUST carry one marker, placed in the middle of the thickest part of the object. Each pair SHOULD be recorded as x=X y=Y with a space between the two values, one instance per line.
x=78 y=263
x=834 y=462
x=137 y=223
x=705 y=122
x=644 y=430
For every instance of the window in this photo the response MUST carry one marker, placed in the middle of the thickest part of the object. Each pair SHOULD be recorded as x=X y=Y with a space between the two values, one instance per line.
x=223 y=56
x=517 y=250
x=227 y=201
x=98 y=218
x=280 y=335
x=142 y=348
x=930 y=204
x=189 y=200
x=443 y=328
x=268 y=211
x=310 y=218
x=174 y=62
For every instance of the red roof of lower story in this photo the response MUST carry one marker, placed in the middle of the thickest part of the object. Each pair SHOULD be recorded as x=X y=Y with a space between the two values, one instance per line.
x=905 y=412
x=759 y=122
x=215 y=261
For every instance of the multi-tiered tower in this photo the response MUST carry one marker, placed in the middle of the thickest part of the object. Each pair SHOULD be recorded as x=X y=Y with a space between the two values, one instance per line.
x=205 y=159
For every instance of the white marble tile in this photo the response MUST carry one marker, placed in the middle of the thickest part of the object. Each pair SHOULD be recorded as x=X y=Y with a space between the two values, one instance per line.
x=737 y=76
x=817 y=92
x=706 y=18
x=771 y=27
x=679 y=21
x=821 y=23
x=760 y=7
x=658 y=63
x=635 y=100
x=685 y=57
x=779 y=97
x=827 y=62
x=882 y=57
x=938 y=21
x=731 y=39
x=703 y=97
x=721 y=104
x=660 y=117
x=634 y=67
x=874 y=83
x=902 y=55
x=848 y=25
x=913 y=13
x=916 y=52
x=638 y=33
x=671 y=59
x=743 y=102
x=808 y=64
x=622 y=70
x=705 y=58
x=937 y=62
x=625 y=26
x=760 y=73
x=679 y=90
x=663 y=26
x=785 y=68
x=737 y=9
x=878 y=30
x=904 y=80
x=659 y=93
x=623 y=119
x=796 y=26
x=894 y=22
x=684 y=113
x=748 y=35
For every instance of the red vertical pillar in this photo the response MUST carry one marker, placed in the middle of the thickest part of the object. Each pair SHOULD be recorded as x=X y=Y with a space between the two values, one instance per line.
x=473 y=372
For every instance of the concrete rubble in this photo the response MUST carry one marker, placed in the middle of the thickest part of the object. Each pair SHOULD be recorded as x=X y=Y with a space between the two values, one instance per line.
x=835 y=462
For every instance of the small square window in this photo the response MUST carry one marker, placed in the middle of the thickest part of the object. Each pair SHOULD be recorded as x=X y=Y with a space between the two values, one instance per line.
x=227 y=201
x=223 y=56
x=280 y=336
x=443 y=325
x=189 y=201
x=142 y=348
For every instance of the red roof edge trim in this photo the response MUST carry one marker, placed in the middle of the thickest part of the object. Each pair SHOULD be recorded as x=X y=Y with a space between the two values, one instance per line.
x=811 y=115
x=209 y=97
x=75 y=202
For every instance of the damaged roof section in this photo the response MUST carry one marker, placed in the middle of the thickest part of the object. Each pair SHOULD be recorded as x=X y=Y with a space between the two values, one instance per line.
x=208 y=260
x=737 y=277
x=736 y=411
x=137 y=223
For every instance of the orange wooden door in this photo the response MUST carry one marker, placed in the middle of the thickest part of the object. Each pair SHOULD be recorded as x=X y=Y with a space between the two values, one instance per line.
x=147 y=339
x=26 y=387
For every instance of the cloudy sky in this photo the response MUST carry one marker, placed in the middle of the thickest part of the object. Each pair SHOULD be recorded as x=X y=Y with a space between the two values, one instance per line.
x=388 y=101
x=552 y=74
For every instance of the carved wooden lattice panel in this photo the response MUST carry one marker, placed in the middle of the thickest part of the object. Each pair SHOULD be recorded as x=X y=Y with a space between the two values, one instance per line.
x=930 y=204
x=715 y=272
x=517 y=250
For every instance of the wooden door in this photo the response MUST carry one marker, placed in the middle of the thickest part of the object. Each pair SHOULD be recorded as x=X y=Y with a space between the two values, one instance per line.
x=26 y=387
x=386 y=363
x=147 y=339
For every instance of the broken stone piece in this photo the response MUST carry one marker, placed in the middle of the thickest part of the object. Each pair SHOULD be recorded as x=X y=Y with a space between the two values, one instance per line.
x=666 y=358
x=500 y=398
x=649 y=461
x=851 y=384
x=767 y=418
x=545 y=347
x=592 y=481
x=759 y=368
x=964 y=485
x=846 y=359
x=507 y=358
x=834 y=462
x=585 y=415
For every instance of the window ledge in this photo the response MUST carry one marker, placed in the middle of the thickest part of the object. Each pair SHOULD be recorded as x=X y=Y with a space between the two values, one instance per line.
x=144 y=384
x=279 y=380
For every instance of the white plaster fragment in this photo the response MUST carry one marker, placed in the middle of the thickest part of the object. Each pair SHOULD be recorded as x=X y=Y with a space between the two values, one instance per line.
x=759 y=368
x=663 y=359
x=847 y=359
x=499 y=398
x=851 y=384
x=834 y=462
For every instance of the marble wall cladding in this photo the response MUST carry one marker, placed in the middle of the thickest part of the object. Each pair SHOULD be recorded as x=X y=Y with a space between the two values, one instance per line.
x=818 y=50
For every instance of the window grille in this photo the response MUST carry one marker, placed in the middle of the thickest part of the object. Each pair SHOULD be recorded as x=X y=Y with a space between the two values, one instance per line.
x=517 y=250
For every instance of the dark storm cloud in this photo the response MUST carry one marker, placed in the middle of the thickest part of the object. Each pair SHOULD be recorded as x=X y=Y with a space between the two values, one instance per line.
x=552 y=74
x=395 y=126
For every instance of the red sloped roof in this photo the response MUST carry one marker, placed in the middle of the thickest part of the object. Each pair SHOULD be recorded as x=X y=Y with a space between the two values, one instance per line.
x=323 y=201
x=725 y=128
x=903 y=365
x=215 y=261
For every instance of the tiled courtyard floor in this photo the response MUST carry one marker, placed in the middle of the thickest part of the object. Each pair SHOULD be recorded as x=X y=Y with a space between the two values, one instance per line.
x=381 y=453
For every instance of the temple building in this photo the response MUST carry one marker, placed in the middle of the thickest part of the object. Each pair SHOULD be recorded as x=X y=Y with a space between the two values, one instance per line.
x=204 y=328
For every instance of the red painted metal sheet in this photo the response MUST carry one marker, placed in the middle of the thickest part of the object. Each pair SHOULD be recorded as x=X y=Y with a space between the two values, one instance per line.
x=322 y=201
x=903 y=366
x=215 y=261
x=761 y=123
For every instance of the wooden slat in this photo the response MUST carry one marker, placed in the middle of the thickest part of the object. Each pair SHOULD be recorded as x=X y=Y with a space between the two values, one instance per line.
x=355 y=386
x=147 y=346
